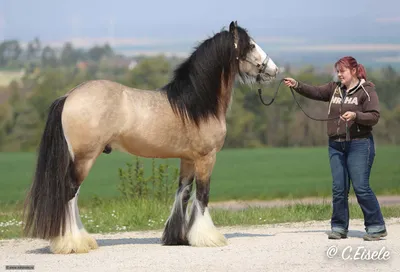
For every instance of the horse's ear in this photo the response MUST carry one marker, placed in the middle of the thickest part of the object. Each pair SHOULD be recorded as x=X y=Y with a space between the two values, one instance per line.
x=232 y=27
x=233 y=30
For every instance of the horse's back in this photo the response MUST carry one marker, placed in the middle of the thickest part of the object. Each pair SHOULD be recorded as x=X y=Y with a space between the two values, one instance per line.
x=95 y=100
x=97 y=88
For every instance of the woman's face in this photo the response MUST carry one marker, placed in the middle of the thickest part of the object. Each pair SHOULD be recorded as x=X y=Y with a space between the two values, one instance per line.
x=345 y=75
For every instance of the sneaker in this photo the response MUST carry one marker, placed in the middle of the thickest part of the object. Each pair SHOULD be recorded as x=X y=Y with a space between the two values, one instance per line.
x=336 y=235
x=375 y=236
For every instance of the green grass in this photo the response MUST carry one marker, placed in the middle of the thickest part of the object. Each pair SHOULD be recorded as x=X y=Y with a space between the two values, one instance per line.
x=238 y=174
x=119 y=215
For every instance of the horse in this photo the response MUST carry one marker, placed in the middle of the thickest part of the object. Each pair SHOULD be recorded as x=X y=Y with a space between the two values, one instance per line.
x=185 y=119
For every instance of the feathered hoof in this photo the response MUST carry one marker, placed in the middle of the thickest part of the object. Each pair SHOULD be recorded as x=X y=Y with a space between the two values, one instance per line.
x=78 y=243
x=92 y=243
x=207 y=239
x=203 y=233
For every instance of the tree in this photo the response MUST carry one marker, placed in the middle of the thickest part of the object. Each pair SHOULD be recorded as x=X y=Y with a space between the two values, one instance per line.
x=9 y=52
x=69 y=56
x=34 y=48
x=386 y=87
x=49 y=58
x=150 y=73
x=96 y=53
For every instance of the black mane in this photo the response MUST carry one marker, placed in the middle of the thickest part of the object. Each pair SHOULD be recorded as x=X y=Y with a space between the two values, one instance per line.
x=195 y=90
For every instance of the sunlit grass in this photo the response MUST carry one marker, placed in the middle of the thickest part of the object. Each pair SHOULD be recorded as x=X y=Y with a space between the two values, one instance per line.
x=241 y=174
x=120 y=215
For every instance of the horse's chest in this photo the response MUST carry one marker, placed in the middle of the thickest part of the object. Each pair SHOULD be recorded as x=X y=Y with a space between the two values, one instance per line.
x=210 y=137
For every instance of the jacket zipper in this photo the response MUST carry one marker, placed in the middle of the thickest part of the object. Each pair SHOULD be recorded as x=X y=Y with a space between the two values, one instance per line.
x=340 y=112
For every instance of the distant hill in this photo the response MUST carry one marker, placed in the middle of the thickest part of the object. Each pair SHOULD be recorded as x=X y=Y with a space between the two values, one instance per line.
x=370 y=59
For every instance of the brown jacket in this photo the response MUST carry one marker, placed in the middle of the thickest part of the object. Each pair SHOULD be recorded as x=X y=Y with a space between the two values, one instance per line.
x=362 y=99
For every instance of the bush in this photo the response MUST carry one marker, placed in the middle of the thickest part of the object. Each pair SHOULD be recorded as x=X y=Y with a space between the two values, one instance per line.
x=160 y=185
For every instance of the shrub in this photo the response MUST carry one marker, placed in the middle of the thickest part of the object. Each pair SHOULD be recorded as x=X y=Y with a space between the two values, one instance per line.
x=160 y=185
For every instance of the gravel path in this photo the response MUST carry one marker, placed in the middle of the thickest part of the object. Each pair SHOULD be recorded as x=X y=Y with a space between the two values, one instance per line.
x=384 y=200
x=280 y=247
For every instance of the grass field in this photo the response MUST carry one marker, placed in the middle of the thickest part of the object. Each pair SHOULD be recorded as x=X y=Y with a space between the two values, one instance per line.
x=119 y=215
x=238 y=174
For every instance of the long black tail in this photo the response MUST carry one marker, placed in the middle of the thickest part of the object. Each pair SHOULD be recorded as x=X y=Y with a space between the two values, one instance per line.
x=54 y=182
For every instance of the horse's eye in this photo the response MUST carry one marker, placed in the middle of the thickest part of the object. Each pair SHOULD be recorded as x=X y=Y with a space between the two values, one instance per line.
x=252 y=46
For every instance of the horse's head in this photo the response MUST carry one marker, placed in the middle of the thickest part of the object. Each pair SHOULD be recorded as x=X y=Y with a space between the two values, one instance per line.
x=254 y=63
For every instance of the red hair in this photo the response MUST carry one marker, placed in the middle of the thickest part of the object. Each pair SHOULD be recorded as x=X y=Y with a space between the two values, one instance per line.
x=350 y=62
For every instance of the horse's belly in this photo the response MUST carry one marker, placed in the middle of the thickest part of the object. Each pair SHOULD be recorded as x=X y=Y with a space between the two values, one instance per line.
x=151 y=147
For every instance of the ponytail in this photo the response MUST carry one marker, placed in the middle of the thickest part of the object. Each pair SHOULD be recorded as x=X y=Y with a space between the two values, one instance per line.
x=361 y=73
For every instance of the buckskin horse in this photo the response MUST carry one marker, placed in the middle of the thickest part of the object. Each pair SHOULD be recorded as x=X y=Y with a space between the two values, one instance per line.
x=184 y=119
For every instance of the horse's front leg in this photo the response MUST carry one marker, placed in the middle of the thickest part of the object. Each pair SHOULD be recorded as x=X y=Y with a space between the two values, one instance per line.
x=175 y=232
x=202 y=231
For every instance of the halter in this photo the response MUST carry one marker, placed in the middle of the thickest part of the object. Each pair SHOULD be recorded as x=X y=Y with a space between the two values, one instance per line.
x=261 y=67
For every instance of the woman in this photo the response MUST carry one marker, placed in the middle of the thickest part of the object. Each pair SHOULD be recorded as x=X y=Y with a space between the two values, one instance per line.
x=351 y=143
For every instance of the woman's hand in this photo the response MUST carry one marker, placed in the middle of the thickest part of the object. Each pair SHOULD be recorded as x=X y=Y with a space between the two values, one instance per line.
x=348 y=116
x=290 y=82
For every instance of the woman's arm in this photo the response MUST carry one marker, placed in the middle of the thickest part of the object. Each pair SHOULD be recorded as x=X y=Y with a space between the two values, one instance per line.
x=321 y=92
x=369 y=115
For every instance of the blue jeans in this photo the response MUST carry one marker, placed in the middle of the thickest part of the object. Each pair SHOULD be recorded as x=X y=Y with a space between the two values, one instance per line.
x=352 y=160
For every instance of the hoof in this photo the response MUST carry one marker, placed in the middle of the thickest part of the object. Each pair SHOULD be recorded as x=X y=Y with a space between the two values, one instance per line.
x=203 y=233
x=91 y=242
x=80 y=243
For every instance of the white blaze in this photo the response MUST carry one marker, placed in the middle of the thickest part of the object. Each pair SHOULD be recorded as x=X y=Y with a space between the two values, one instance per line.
x=271 y=68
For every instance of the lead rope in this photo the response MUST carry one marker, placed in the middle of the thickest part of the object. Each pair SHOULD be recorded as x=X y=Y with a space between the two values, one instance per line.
x=298 y=104
x=295 y=99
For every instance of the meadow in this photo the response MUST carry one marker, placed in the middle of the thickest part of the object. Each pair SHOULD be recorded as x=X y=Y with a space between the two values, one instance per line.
x=239 y=174
x=118 y=216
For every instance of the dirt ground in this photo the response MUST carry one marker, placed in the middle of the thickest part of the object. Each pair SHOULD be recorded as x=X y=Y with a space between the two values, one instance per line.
x=280 y=247
x=238 y=205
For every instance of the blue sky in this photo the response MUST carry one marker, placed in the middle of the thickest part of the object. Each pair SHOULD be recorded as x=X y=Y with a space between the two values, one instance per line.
x=52 y=19
x=281 y=25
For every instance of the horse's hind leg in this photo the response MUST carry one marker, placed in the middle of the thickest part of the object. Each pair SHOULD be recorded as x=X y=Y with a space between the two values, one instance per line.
x=175 y=232
x=202 y=231
x=76 y=238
